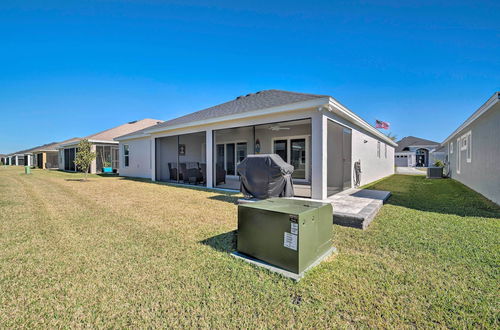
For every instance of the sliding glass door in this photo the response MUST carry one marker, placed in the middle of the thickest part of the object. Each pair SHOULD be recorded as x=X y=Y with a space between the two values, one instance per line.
x=298 y=158
x=294 y=151
x=281 y=149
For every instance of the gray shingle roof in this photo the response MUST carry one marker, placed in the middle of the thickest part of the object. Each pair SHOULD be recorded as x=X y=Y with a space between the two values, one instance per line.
x=123 y=130
x=409 y=141
x=250 y=102
x=53 y=146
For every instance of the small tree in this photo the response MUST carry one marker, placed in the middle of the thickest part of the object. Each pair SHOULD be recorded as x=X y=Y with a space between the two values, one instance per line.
x=84 y=156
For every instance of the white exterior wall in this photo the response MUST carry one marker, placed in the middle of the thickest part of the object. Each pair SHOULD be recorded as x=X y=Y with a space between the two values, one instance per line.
x=372 y=167
x=139 y=158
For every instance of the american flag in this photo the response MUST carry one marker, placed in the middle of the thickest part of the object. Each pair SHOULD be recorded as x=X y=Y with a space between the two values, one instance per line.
x=381 y=124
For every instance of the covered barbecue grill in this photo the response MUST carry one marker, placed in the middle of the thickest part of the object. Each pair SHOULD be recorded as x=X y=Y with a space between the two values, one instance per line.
x=264 y=176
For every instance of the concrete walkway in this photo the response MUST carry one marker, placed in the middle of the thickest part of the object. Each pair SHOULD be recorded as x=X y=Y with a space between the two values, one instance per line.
x=409 y=171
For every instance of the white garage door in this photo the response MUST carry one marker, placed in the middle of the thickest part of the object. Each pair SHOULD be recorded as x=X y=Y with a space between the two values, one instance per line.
x=402 y=160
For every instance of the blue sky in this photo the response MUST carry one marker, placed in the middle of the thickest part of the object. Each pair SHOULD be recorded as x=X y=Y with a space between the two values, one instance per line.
x=74 y=68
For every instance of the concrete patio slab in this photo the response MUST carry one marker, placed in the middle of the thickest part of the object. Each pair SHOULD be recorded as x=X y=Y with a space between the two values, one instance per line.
x=357 y=207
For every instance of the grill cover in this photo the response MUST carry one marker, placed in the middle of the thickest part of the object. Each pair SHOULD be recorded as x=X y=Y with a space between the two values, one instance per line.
x=265 y=176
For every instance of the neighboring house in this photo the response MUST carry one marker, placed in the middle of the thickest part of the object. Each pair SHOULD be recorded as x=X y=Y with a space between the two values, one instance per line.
x=416 y=152
x=319 y=136
x=103 y=144
x=17 y=159
x=47 y=156
x=473 y=150
x=21 y=158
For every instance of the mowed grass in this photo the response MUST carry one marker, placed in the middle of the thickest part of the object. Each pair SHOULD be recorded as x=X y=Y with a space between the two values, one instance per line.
x=114 y=252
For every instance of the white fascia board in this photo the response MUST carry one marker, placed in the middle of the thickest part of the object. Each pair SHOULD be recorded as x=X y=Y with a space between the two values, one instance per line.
x=132 y=137
x=355 y=119
x=75 y=143
x=267 y=111
x=103 y=141
x=45 y=150
x=485 y=107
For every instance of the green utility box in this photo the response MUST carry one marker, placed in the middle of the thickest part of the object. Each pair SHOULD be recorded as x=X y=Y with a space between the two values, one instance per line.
x=27 y=170
x=288 y=233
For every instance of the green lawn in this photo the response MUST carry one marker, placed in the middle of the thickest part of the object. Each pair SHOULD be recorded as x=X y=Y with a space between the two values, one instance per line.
x=114 y=252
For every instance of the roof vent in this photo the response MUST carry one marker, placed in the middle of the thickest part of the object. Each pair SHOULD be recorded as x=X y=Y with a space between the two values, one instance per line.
x=132 y=122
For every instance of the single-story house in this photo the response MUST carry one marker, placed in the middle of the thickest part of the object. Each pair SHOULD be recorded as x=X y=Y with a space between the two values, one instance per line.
x=417 y=152
x=473 y=150
x=47 y=156
x=22 y=157
x=319 y=136
x=17 y=159
x=103 y=144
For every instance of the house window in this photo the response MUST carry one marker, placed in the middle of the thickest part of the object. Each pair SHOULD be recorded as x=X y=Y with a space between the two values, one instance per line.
x=126 y=155
x=385 y=150
x=469 y=147
x=463 y=145
x=378 y=149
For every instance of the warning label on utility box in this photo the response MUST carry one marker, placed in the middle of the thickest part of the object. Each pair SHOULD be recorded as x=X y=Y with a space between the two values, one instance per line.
x=290 y=241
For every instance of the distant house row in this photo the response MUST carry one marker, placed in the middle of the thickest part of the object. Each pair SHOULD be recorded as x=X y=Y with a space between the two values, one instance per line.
x=330 y=147
x=61 y=155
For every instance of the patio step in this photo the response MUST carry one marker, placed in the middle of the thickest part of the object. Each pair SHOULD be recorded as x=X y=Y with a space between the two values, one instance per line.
x=357 y=207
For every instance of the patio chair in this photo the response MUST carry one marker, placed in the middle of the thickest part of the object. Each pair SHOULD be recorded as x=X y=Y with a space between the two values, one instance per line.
x=203 y=170
x=183 y=172
x=194 y=175
x=220 y=175
x=173 y=172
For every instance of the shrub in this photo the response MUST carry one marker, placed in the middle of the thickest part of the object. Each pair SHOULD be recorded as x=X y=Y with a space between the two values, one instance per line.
x=438 y=163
